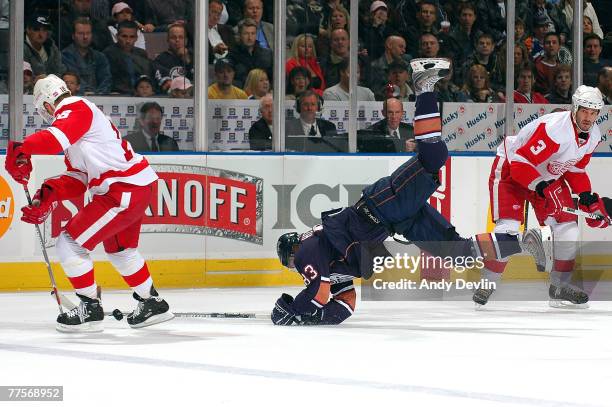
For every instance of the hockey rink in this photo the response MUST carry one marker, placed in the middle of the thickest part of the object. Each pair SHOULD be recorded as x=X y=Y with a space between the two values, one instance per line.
x=388 y=353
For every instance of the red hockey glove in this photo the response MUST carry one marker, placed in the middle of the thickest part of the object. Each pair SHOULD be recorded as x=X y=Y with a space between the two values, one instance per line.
x=551 y=191
x=43 y=203
x=592 y=203
x=18 y=163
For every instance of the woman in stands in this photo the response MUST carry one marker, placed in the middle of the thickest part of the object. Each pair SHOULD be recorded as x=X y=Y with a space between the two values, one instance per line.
x=298 y=82
x=303 y=54
x=477 y=89
x=257 y=83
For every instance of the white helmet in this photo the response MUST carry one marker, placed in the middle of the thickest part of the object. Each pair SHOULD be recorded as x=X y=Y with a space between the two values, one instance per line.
x=47 y=90
x=586 y=96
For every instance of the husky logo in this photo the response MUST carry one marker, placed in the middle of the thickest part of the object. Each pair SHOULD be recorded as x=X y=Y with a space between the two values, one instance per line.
x=558 y=168
x=541 y=111
x=489 y=131
x=491 y=109
x=519 y=111
x=460 y=131
x=461 y=109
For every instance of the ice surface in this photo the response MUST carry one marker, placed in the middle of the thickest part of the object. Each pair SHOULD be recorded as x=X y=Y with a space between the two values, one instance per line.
x=387 y=354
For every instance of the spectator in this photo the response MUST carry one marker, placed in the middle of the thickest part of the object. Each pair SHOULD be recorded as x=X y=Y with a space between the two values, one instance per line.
x=4 y=15
x=91 y=65
x=395 y=50
x=143 y=88
x=298 y=82
x=127 y=62
x=247 y=54
x=540 y=29
x=446 y=90
x=149 y=137
x=303 y=54
x=181 y=88
x=339 y=18
x=73 y=82
x=220 y=36
x=257 y=84
x=260 y=133
x=392 y=125
x=429 y=46
x=555 y=21
x=176 y=61
x=265 y=31
x=223 y=87
x=592 y=64
x=465 y=35
x=303 y=17
x=426 y=17
x=79 y=10
x=604 y=84
x=567 y=9
x=521 y=34
x=339 y=50
x=486 y=57
x=308 y=104
x=545 y=65
x=340 y=91
x=492 y=18
x=397 y=83
x=159 y=15
x=28 y=79
x=122 y=12
x=524 y=93
x=562 y=86
x=376 y=30
x=587 y=25
x=477 y=88
x=39 y=49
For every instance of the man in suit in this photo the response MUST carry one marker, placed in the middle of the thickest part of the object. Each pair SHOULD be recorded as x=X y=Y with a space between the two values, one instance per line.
x=149 y=138
x=265 y=31
x=308 y=104
x=220 y=36
x=392 y=125
x=260 y=133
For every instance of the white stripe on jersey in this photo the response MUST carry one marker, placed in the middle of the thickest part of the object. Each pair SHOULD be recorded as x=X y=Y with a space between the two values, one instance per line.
x=345 y=305
x=498 y=171
x=316 y=303
x=60 y=136
x=348 y=288
x=427 y=116
x=104 y=219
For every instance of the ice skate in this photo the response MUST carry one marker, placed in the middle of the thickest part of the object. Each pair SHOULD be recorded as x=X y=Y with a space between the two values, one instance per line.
x=150 y=311
x=426 y=72
x=539 y=243
x=86 y=317
x=566 y=296
x=481 y=296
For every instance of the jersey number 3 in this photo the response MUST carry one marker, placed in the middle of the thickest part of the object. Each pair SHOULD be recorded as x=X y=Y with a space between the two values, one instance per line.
x=537 y=149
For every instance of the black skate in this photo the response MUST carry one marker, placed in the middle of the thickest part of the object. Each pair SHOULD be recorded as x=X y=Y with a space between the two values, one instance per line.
x=426 y=72
x=86 y=317
x=481 y=296
x=566 y=296
x=150 y=311
x=539 y=243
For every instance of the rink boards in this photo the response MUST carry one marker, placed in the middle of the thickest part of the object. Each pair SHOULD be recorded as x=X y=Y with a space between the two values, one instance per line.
x=214 y=219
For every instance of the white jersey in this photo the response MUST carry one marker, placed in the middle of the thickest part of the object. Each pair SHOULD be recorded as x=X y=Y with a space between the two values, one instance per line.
x=548 y=148
x=95 y=152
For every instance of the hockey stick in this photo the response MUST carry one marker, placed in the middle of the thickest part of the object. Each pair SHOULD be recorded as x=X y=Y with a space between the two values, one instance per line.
x=579 y=212
x=526 y=215
x=46 y=256
x=118 y=315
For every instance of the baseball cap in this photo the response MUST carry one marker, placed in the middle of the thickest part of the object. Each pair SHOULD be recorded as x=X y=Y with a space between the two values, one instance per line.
x=119 y=7
x=38 y=20
x=398 y=65
x=376 y=5
x=27 y=67
x=541 y=20
x=222 y=63
x=180 y=82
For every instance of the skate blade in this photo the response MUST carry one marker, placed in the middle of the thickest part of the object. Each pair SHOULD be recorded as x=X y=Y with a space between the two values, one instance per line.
x=562 y=304
x=87 y=327
x=479 y=307
x=155 y=319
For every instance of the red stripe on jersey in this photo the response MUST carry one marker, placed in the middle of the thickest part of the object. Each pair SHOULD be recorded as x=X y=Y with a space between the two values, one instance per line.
x=486 y=246
x=564 y=265
x=66 y=187
x=348 y=297
x=41 y=142
x=583 y=162
x=74 y=120
x=523 y=173
x=82 y=281
x=138 y=277
x=426 y=126
x=578 y=181
x=539 y=147
x=322 y=296
x=495 y=266
x=134 y=169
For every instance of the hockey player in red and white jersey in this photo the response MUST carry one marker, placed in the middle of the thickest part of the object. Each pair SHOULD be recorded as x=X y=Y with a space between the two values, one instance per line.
x=120 y=182
x=544 y=164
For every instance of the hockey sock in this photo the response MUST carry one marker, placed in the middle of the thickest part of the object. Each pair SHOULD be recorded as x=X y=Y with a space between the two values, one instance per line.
x=428 y=132
x=133 y=268
x=341 y=306
x=77 y=265
x=562 y=272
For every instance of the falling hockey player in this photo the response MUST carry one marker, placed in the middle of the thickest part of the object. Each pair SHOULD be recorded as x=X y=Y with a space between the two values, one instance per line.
x=120 y=182
x=329 y=256
x=544 y=164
